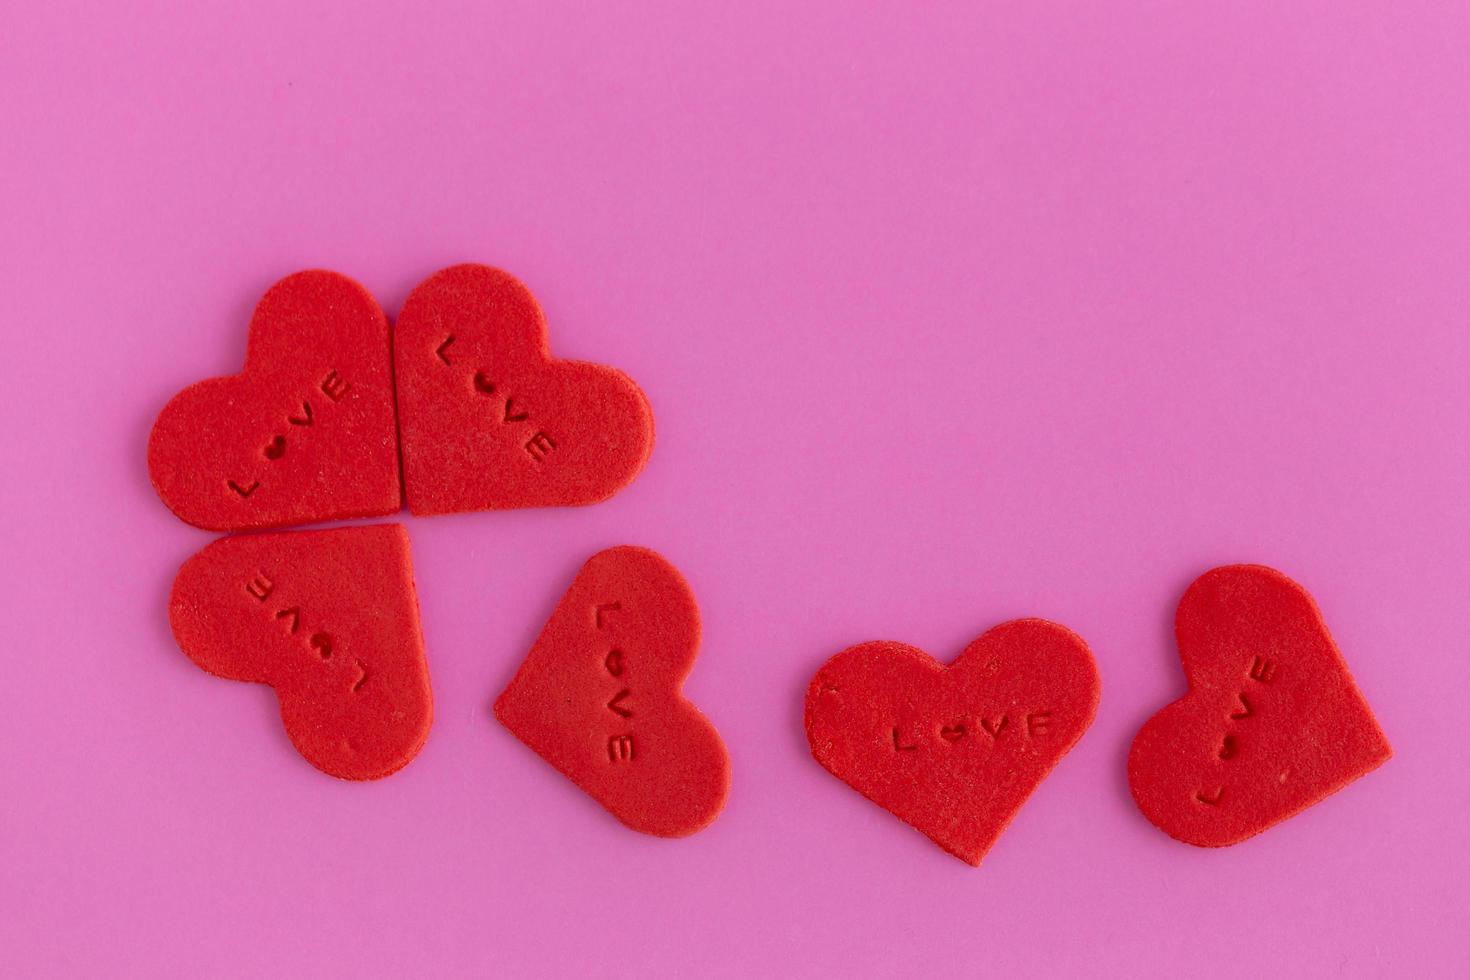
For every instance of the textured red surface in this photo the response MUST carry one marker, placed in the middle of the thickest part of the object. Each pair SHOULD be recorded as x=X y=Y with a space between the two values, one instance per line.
x=490 y=420
x=599 y=697
x=330 y=620
x=954 y=751
x=307 y=432
x=1272 y=723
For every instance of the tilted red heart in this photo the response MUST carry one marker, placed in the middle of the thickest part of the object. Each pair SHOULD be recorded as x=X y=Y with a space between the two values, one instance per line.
x=490 y=420
x=330 y=620
x=1272 y=723
x=307 y=432
x=600 y=696
x=954 y=751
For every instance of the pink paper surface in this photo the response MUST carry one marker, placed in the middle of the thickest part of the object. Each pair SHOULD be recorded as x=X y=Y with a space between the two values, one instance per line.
x=949 y=314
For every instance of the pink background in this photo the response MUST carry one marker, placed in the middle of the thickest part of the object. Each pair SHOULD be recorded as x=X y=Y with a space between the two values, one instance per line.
x=948 y=316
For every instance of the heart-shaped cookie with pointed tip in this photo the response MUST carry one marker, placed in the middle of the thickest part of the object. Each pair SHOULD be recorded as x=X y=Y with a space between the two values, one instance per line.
x=600 y=696
x=306 y=433
x=490 y=420
x=329 y=619
x=954 y=750
x=1272 y=723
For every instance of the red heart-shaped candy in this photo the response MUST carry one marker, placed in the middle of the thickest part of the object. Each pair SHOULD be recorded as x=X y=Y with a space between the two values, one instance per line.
x=330 y=620
x=1272 y=722
x=306 y=433
x=600 y=696
x=490 y=420
x=954 y=751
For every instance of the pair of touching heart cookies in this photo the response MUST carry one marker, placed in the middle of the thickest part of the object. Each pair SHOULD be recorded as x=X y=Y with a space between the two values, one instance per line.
x=1272 y=722
x=464 y=390
x=463 y=384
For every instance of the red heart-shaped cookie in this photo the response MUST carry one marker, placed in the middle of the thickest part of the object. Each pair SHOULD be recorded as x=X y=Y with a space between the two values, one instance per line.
x=600 y=696
x=330 y=620
x=1272 y=722
x=954 y=751
x=306 y=433
x=490 y=420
